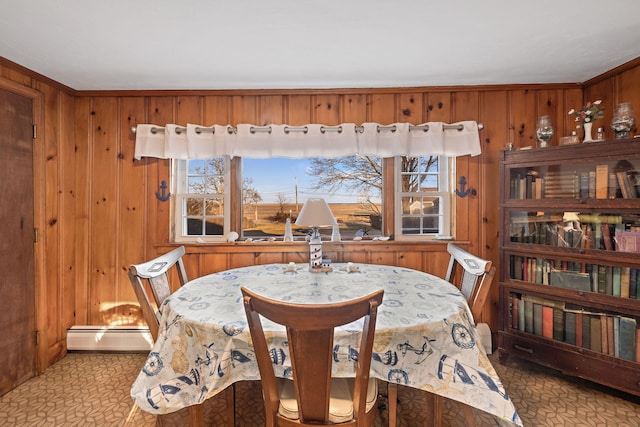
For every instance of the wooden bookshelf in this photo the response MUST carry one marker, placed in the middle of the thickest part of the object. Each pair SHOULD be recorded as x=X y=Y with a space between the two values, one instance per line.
x=570 y=260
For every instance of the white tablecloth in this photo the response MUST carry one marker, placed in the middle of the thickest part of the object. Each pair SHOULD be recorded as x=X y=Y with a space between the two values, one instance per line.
x=425 y=336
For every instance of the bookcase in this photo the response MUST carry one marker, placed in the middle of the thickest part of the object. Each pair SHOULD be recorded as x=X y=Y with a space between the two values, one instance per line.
x=570 y=260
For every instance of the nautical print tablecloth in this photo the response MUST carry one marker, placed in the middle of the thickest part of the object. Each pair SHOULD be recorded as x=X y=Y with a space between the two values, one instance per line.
x=424 y=337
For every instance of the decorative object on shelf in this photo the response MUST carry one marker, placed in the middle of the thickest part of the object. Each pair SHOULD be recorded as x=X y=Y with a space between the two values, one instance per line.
x=587 y=133
x=288 y=233
x=335 y=233
x=600 y=134
x=623 y=122
x=509 y=146
x=590 y=112
x=570 y=140
x=544 y=131
x=315 y=213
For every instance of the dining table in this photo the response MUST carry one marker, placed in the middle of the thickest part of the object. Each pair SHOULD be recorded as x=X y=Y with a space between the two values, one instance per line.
x=425 y=335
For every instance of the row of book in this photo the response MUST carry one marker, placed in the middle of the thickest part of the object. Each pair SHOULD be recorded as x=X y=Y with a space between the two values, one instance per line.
x=601 y=183
x=619 y=281
x=606 y=333
x=603 y=232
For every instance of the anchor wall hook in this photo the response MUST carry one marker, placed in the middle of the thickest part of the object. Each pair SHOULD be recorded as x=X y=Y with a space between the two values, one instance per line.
x=464 y=192
x=164 y=196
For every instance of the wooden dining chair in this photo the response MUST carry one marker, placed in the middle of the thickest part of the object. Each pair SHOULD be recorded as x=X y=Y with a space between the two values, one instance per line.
x=154 y=275
x=473 y=276
x=313 y=397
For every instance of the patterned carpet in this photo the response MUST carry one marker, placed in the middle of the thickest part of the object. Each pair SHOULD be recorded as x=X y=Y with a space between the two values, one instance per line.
x=93 y=389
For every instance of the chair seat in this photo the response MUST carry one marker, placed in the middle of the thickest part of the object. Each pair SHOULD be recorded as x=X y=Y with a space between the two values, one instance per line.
x=340 y=404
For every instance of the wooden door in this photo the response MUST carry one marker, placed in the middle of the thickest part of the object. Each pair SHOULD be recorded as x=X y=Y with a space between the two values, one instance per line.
x=17 y=281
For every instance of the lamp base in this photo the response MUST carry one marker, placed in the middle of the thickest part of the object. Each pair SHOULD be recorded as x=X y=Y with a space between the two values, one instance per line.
x=315 y=253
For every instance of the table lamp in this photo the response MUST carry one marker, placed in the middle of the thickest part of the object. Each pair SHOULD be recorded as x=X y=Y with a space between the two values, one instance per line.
x=315 y=213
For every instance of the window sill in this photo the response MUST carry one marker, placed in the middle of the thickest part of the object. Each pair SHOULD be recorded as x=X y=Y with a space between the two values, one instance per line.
x=293 y=247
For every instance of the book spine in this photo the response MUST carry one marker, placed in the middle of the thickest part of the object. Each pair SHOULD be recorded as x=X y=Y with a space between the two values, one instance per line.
x=613 y=186
x=513 y=307
x=611 y=344
x=596 y=335
x=586 y=331
x=538 y=320
x=521 y=315
x=558 y=324
x=616 y=273
x=547 y=321
x=602 y=181
x=570 y=328
x=528 y=316
x=579 y=329
x=633 y=283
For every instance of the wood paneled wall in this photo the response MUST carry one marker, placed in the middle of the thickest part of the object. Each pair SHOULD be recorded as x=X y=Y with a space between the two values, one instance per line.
x=100 y=213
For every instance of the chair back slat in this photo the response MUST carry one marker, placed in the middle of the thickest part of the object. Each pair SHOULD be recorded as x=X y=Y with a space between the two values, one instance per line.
x=472 y=275
x=310 y=334
x=154 y=275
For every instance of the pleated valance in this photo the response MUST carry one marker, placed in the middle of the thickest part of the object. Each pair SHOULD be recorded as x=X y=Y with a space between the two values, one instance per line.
x=311 y=140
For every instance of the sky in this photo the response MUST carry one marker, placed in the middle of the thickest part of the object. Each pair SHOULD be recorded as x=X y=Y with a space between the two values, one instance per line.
x=278 y=175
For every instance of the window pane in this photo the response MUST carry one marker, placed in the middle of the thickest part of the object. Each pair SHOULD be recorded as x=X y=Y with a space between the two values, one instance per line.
x=193 y=207
x=200 y=198
x=196 y=185
x=423 y=206
x=205 y=176
x=275 y=189
x=419 y=174
x=214 y=207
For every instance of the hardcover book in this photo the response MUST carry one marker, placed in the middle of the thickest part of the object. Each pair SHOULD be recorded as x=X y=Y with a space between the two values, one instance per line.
x=558 y=324
x=547 y=321
x=570 y=328
x=628 y=241
x=627 y=336
x=570 y=280
x=539 y=320
x=602 y=181
x=596 y=334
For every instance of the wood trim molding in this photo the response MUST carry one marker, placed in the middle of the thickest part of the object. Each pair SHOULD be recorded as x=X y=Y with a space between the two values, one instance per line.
x=34 y=75
x=335 y=91
x=613 y=72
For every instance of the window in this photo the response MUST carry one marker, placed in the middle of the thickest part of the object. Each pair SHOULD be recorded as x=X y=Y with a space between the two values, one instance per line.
x=202 y=202
x=275 y=189
x=423 y=197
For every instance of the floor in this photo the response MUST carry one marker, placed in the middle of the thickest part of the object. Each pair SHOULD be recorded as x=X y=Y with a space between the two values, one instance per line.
x=93 y=389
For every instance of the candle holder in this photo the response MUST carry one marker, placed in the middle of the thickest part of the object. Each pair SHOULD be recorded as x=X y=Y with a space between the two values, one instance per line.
x=623 y=122
x=544 y=131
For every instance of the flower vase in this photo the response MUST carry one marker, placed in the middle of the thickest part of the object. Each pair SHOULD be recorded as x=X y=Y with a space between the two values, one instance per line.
x=587 y=132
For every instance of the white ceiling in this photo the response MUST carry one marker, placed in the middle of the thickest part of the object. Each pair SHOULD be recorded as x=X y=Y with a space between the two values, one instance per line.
x=285 y=44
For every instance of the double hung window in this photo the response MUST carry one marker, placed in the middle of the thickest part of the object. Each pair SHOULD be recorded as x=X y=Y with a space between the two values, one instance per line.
x=275 y=189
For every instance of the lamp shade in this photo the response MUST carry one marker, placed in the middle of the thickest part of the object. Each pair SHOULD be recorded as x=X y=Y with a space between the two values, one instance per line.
x=315 y=213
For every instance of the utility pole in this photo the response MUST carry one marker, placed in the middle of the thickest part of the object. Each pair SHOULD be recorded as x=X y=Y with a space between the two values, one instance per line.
x=295 y=181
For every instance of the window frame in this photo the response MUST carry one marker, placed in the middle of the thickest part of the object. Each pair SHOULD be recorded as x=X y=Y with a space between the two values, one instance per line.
x=391 y=206
x=179 y=180
x=446 y=211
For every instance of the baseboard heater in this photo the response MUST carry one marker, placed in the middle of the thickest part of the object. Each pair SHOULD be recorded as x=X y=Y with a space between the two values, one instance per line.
x=109 y=338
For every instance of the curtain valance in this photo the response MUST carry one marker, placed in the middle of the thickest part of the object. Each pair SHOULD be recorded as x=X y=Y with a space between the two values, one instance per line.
x=311 y=140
